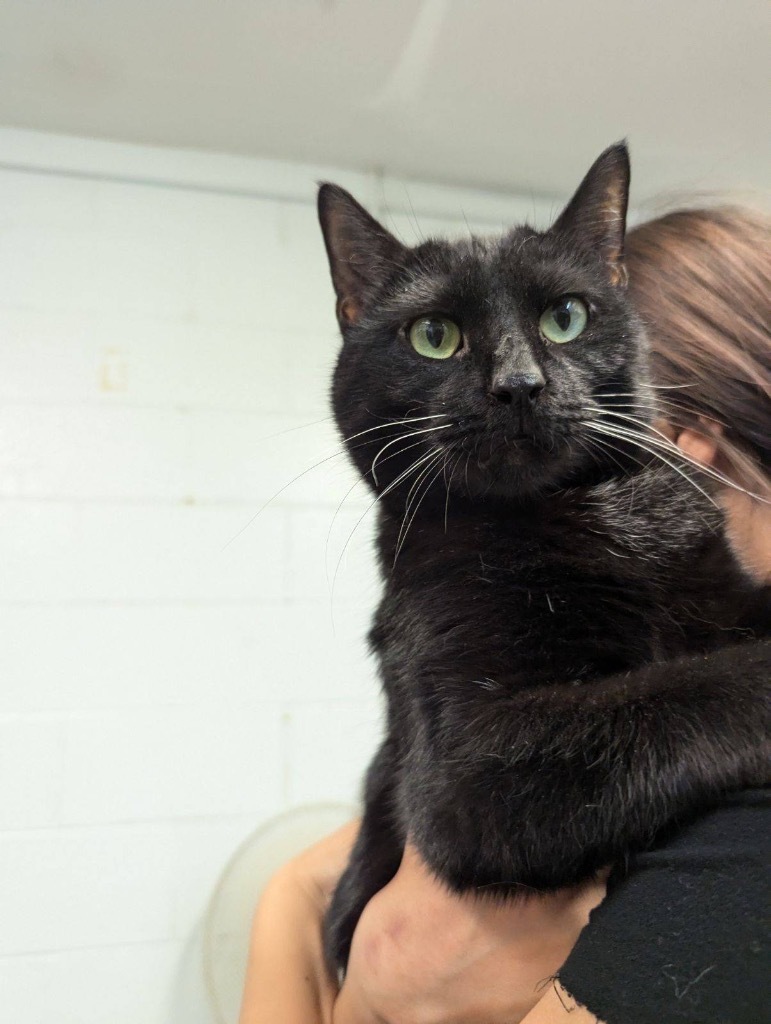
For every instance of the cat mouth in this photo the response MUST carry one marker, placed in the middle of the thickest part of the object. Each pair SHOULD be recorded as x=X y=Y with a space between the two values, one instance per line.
x=517 y=447
x=516 y=439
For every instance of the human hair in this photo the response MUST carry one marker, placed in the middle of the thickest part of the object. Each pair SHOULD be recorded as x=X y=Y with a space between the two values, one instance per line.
x=701 y=279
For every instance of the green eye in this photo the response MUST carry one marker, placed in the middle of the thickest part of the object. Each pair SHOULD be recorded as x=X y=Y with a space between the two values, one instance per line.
x=435 y=337
x=564 y=320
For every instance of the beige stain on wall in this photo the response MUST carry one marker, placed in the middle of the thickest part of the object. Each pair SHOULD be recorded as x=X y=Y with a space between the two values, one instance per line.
x=113 y=372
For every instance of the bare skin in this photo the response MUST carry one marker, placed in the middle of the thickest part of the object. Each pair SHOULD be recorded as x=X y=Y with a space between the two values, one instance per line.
x=420 y=954
x=457 y=960
x=287 y=979
x=748 y=520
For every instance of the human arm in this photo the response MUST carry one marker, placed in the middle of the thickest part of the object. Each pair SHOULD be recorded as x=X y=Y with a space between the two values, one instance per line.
x=286 y=978
x=420 y=953
x=423 y=954
x=695 y=900
x=684 y=935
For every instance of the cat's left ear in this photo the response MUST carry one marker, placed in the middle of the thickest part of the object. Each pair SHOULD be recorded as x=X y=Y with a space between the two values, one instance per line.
x=362 y=254
x=595 y=218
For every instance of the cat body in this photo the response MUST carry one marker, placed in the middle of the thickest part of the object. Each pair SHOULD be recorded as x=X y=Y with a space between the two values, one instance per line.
x=493 y=658
x=569 y=651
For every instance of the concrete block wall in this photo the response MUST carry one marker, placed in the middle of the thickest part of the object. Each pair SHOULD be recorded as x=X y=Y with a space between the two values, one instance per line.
x=173 y=669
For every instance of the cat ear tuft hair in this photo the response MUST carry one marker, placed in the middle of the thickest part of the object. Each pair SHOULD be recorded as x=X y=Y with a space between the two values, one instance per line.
x=595 y=218
x=362 y=254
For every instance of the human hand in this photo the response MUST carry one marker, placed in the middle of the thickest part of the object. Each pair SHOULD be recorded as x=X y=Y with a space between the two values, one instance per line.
x=748 y=514
x=423 y=955
x=419 y=954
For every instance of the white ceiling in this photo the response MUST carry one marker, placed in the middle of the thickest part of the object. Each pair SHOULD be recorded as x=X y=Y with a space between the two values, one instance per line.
x=506 y=94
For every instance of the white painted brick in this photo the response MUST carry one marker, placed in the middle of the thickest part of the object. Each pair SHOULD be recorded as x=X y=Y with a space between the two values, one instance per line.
x=203 y=850
x=86 y=270
x=447 y=201
x=121 y=657
x=219 y=173
x=216 y=364
x=302 y=272
x=312 y=357
x=153 y=454
x=90 y=357
x=120 y=984
x=331 y=554
x=261 y=262
x=138 y=210
x=413 y=228
x=66 y=452
x=50 y=356
x=171 y=762
x=164 y=655
x=235 y=263
x=31 y=759
x=107 y=552
x=107 y=359
x=64 y=889
x=330 y=747
x=304 y=654
x=239 y=456
x=102 y=658
x=45 y=200
x=94 y=657
x=168 y=455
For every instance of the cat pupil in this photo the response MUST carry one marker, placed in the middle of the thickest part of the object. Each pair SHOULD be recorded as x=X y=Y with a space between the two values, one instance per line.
x=434 y=333
x=562 y=315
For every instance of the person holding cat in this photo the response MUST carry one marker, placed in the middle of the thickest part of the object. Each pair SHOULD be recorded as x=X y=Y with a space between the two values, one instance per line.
x=700 y=281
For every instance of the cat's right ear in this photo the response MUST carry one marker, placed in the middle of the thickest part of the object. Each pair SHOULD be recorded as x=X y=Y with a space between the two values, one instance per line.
x=362 y=254
x=595 y=218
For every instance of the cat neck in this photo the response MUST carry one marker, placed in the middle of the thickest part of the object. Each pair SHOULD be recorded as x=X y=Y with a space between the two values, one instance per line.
x=653 y=517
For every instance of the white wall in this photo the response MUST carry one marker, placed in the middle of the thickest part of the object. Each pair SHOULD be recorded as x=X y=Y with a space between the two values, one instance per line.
x=170 y=674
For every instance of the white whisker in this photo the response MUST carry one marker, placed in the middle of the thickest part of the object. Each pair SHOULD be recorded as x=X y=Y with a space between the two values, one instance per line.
x=625 y=435
x=394 y=423
x=419 y=501
x=661 y=441
x=280 y=491
x=402 y=437
x=448 y=485
x=394 y=483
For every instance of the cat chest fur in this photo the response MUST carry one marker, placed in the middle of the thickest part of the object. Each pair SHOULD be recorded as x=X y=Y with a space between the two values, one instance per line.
x=488 y=609
x=570 y=589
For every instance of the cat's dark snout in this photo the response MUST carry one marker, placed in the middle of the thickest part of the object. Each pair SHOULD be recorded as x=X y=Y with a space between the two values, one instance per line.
x=517 y=387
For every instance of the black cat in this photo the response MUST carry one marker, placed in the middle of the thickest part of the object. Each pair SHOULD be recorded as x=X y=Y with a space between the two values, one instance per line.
x=571 y=656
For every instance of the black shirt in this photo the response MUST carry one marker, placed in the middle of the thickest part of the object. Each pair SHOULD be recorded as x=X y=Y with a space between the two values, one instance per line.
x=683 y=934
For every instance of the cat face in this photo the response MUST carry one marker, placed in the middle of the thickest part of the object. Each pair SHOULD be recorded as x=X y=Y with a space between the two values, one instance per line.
x=480 y=361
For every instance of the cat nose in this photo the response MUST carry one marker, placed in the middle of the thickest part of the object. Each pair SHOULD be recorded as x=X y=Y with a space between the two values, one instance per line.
x=516 y=387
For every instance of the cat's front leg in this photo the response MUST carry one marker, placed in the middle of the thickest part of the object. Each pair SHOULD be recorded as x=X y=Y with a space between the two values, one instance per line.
x=542 y=787
x=374 y=859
